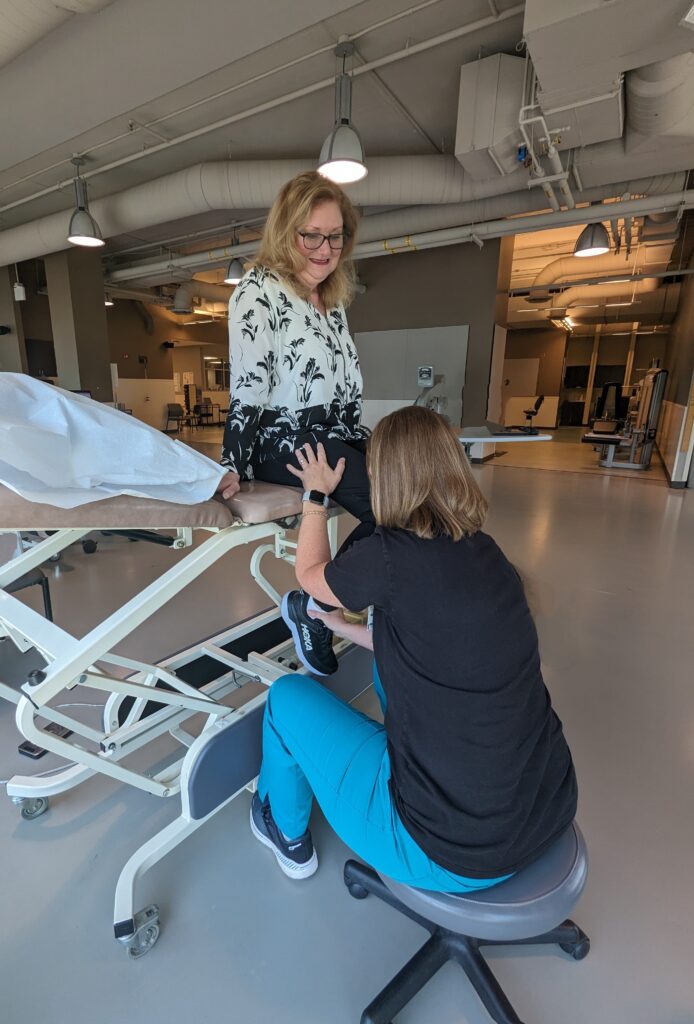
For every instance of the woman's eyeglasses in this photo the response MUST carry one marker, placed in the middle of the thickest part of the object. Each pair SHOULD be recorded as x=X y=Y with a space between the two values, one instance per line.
x=314 y=239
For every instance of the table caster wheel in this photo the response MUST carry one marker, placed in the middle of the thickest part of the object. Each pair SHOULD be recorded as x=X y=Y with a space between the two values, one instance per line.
x=32 y=807
x=146 y=932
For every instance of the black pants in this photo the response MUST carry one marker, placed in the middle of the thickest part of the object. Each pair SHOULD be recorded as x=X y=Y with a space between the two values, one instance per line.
x=352 y=492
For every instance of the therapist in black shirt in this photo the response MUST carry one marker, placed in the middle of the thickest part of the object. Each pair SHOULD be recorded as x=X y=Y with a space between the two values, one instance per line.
x=470 y=777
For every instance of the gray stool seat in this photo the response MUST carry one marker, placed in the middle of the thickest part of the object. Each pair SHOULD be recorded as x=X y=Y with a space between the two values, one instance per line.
x=532 y=902
x=529 y=909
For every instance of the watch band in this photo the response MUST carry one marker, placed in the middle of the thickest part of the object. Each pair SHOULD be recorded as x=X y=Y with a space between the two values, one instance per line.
x=316 y=498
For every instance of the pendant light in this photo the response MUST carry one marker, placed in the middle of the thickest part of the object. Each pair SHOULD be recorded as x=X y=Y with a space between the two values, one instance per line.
x=592 y=241
x=234 y=272
x=342 y=156
x=83 y=228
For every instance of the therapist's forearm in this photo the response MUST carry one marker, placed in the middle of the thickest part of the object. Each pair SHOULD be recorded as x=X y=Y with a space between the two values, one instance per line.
x=356 y=632
x=313 y=546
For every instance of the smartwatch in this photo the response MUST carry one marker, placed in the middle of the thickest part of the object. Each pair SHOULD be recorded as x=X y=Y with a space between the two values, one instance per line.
x=316 y=498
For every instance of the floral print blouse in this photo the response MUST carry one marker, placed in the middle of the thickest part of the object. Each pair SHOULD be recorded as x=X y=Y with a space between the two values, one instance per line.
x=293 y=372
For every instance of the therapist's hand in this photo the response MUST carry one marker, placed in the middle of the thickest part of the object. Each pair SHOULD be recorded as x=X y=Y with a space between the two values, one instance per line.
x=229 y=485
x=315 y=472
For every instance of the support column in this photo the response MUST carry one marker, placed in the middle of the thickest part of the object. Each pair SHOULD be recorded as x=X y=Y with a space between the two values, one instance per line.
x=13 y=357
x=80 y=333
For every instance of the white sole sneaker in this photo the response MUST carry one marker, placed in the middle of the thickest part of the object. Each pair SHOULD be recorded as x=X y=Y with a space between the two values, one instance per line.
x=289 y=622
x=289 y=867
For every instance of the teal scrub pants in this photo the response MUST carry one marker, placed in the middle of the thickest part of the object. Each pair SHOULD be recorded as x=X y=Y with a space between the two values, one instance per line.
x=316 y=745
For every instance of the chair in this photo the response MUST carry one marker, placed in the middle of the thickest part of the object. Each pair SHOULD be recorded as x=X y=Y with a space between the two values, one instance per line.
x=203 y=413
x=175 y=414
x=529 y=909
x=531 y=413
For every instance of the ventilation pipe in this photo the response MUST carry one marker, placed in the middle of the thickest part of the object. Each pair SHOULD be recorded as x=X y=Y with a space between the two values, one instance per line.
x=577 y=266
x=575 y=296
x=659 y=95
x=183 y=299
x=401 y=222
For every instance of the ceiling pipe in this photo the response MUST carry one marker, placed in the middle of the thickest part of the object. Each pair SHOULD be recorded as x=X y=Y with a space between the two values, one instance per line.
x=575 y=266
x=574 y=296
x=252 y=184
x=522 y=225
x=659 y=95
x=393 y=223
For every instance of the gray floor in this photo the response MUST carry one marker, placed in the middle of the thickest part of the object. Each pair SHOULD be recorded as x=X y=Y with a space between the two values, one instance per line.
x=609 y=567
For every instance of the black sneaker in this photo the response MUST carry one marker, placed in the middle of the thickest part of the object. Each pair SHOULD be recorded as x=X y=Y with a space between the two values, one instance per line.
x=296 y=857
x=312 y=638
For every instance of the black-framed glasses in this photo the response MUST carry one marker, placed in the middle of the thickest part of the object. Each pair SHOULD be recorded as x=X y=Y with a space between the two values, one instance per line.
x=314 y=239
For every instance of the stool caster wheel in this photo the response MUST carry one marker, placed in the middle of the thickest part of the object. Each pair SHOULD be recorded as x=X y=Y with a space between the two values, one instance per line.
x=146 y=933
x=89 y=547
x=357 y=891
x=31 y=808
x=578 y=950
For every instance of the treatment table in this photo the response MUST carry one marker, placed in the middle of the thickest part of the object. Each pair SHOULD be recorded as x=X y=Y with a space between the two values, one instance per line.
x=208 y=698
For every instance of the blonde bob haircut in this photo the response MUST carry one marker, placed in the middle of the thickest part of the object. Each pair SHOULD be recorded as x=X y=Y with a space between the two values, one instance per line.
x=420 y=477
x=289 y=213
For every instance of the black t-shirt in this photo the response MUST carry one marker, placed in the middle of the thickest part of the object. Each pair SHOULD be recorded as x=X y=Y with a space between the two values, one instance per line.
x=482 y=777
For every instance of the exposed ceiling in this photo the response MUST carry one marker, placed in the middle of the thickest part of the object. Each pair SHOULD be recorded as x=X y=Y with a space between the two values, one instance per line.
x=145 y=89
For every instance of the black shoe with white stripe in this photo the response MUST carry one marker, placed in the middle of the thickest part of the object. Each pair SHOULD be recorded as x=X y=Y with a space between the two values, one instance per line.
x=296 y=857
x=312 y=638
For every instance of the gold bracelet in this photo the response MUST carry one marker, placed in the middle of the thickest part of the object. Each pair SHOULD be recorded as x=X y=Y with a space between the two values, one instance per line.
x=318 y=512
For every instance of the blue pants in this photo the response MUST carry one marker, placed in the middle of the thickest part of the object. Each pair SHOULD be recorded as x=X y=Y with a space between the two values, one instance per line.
x=315 y=744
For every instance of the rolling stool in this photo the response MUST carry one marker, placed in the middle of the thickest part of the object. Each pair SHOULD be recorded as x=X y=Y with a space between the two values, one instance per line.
x=528 y=909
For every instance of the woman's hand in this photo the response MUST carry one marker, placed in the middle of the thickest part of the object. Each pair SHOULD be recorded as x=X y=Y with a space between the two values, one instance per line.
x=229 y=485
x=314 y=471
x=333 y=620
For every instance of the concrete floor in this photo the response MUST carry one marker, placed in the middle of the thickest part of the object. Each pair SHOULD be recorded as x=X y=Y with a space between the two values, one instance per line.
x=609 y=567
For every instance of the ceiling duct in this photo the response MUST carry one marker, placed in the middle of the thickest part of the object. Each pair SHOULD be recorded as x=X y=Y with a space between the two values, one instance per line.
x=587 y=293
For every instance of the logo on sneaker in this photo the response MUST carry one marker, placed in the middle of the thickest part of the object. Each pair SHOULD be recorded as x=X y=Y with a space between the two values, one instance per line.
x=294 y=846
x=306 y=633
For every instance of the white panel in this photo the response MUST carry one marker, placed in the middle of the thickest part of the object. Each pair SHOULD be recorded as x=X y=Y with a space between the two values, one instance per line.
x=374 y=409
x=147 y=399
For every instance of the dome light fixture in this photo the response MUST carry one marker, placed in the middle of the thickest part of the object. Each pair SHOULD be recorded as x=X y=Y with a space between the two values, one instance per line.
x=592 y=241
x=342 y=156
x=83 y=228
x=234 y=272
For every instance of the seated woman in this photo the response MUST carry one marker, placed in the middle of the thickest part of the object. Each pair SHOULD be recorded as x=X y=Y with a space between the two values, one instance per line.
x=295 y=374
x=470 y=778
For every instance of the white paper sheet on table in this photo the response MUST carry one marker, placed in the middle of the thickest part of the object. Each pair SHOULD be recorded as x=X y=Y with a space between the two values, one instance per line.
x=63 y=449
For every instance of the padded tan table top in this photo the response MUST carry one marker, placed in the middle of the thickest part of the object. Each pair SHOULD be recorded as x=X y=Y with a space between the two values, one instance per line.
x=257 y=502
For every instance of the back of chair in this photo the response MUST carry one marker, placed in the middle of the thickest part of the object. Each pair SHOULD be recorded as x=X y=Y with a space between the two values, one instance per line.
x=539 y=402
x=174 y=410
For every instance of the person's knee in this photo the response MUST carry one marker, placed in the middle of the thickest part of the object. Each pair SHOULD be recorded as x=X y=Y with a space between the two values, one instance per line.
x=287 y=694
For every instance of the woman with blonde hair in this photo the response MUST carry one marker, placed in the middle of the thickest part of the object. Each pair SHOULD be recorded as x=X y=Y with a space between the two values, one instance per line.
x=295 y=377
x=469 y=778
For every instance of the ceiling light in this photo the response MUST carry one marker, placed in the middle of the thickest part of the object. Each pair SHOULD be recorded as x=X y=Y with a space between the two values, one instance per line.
x=83 y=228
x=234 y=272
x=592 y=241
x=108 y=301
x=342 y=156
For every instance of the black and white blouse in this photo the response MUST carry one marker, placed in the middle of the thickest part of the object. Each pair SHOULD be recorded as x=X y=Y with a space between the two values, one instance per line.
x=293 y=372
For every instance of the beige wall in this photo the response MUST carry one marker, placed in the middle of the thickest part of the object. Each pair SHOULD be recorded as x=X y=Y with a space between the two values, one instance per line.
x=129 y=338
x=547 y=346
x=436 y=288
